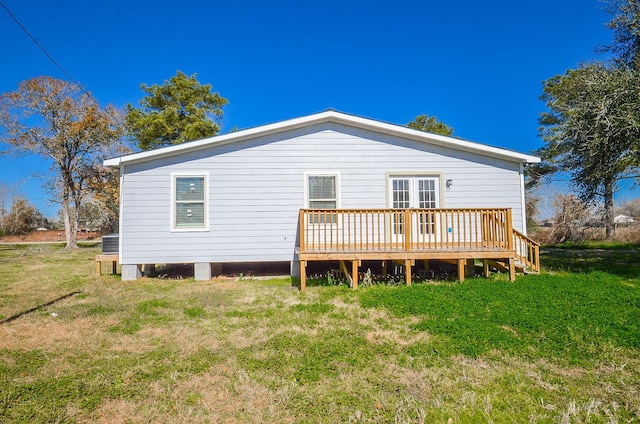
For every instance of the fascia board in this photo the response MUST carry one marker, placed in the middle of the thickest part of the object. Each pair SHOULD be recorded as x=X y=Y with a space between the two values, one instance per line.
x=319 y=118
x=437 y=139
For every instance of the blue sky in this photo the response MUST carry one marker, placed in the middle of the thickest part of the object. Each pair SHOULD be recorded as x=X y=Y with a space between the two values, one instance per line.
x=477 y=66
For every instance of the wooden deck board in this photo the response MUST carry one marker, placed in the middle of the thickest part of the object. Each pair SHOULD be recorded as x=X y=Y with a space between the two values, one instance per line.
x=402 y=255
x=406 y=235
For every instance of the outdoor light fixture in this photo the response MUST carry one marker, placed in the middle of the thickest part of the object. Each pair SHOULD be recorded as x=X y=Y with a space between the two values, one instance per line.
x=449 y=184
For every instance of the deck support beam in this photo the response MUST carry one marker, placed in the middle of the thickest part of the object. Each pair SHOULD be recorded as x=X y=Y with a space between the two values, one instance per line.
x=461 y=270
x=303 y=275
x=354 y=271
x=512 y=269
x=352 y=275
x=407 y=270
x=485 y=268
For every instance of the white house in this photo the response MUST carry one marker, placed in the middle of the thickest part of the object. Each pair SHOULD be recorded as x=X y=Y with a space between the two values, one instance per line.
x=623 y=220
x=250 y=195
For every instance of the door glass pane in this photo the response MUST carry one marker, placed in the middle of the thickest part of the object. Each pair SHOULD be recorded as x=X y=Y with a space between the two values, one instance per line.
x=401 y=193
x=427 y=193
x=401 y=199
x=427 y=199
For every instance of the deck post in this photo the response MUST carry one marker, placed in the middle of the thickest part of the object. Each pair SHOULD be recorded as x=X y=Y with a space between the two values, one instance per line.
x=303 y=275
x=485 y=268
x=512 y=269
x=461 y=270
x=407 y=230
x=354 y=273
x=509 y=230
x=407 y=271
x=301 y=217
x=384 y=268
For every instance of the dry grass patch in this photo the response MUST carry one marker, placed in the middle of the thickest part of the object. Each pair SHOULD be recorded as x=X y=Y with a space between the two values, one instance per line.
x=246 y=351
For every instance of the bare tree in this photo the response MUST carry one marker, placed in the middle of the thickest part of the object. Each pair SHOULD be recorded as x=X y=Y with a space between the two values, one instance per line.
x=57 y=120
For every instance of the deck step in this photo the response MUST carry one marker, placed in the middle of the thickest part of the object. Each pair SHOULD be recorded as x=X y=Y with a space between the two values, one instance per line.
x=504 y=267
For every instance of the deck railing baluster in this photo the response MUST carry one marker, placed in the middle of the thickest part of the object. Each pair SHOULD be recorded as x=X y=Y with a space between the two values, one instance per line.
x=413 y=231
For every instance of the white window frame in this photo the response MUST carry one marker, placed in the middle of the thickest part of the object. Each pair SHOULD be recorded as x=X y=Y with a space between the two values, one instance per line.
x=172 y=208
x=334 y=174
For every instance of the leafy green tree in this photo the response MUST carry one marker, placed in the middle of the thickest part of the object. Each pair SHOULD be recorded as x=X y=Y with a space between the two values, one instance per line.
x=430 y=124
x=625 y=24
x=592 y=129
x=60 y=122
x=179 y=110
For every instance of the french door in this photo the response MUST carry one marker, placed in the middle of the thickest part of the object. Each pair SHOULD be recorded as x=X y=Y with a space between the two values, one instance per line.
x=414 y=192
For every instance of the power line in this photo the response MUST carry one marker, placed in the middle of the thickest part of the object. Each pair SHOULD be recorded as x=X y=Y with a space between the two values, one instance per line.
x=37 y=43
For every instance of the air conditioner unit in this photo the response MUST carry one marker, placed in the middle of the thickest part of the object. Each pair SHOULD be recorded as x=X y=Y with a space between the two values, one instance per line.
x=110 y=244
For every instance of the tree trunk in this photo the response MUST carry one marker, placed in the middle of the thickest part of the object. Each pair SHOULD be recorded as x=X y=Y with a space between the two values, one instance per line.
x=69 y=213
x=610 y=226
x=70 y=229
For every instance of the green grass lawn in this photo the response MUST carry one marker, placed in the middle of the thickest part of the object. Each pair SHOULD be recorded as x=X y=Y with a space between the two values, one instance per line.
x=563 y=346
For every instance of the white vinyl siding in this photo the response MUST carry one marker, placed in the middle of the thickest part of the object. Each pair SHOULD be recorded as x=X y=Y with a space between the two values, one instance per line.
x=255 y=188
x=189 y=202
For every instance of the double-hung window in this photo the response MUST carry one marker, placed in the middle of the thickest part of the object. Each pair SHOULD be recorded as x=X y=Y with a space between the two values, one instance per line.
x=189 y=208
x=322 y=193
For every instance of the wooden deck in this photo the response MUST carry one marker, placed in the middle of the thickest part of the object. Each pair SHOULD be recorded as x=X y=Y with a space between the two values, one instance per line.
x=406 y=235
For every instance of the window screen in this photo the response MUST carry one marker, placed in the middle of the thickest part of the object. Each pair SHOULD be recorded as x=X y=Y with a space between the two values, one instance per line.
x=190 y=199
x=322 y=192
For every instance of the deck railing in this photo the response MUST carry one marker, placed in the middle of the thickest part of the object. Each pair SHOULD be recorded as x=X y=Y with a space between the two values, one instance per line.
x=371 y=230
x=415 y=230
x=527 y=251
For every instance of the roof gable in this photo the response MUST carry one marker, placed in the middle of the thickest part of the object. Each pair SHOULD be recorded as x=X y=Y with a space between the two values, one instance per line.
x=329 y=116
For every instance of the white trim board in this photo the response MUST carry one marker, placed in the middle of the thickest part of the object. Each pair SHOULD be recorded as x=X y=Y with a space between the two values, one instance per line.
x=320 y=118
